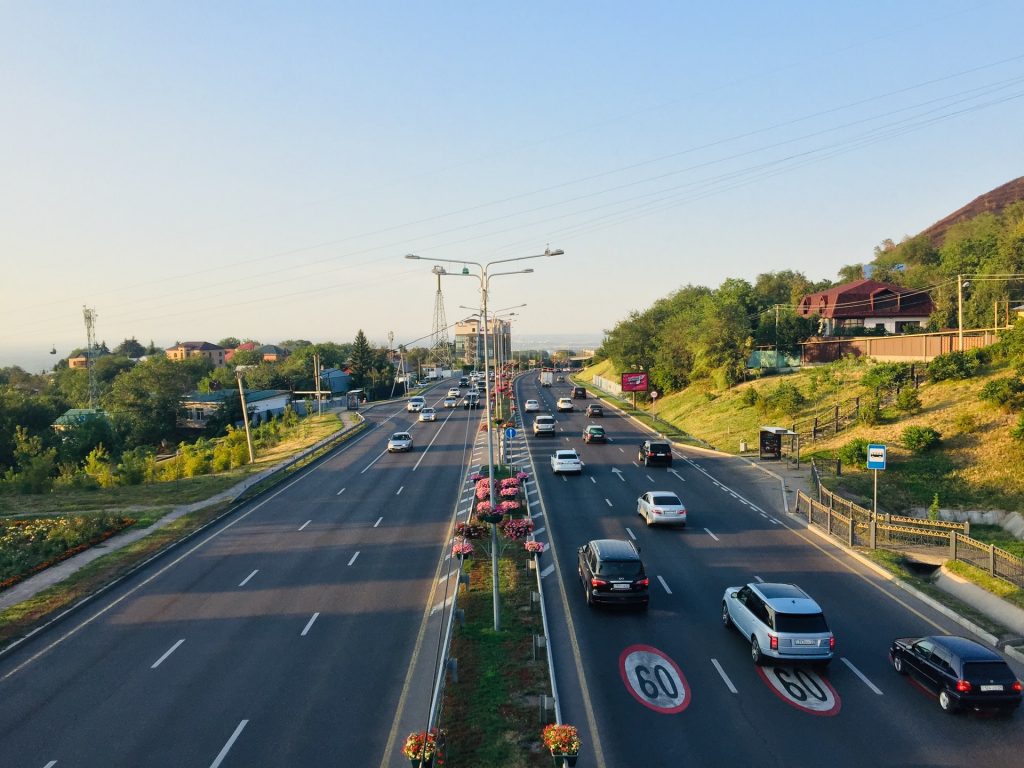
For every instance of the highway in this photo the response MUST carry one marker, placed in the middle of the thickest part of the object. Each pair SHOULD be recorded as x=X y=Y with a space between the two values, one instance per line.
x=672 y=685
x=281 y=637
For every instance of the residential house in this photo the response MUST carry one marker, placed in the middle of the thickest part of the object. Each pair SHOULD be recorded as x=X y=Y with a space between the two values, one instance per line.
x=81 y=361
x=211 y=352
x=75 y=417
x=862 y=305
x=245 y=346
x=273 y=353
x=262 y=404
x=335 y=381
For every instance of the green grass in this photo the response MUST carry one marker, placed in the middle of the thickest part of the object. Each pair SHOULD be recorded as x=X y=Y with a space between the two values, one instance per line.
x=491 y=714
x=983 y=579
x=1002 y=538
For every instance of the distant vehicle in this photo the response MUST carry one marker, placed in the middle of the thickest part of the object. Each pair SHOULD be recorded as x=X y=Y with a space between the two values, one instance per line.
x=661 y=507
x=579 y=393
x=454 y=392
x=655 y=452
x=400 y=441
x=961 y=672
x=780 y=621
x=415 y=404
x=564 y=404
x=594 y=434
x=612 y=573
x=546 y=379
x=428 y=414
x=464 y=381
x=544 y=425
x=530 y=406
x=451 y=402
x=566 y=460
x=559 y=379
x=471 y=400
x=595 y=411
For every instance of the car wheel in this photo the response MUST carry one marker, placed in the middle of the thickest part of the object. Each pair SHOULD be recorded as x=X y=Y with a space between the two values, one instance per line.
x=947 y=703
x=588 y=595
x=755 y=651
x=726 y=618
x=897 y=664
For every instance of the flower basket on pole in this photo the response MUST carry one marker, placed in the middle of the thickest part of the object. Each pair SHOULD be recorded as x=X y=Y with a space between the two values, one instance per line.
x=564 y=743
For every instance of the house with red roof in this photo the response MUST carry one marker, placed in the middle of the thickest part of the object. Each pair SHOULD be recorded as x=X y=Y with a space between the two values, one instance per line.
x=867 y=305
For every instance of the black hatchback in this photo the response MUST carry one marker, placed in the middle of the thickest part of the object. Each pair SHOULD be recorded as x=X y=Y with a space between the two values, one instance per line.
x=612 y=573
x=961 y=672
x=655 y=452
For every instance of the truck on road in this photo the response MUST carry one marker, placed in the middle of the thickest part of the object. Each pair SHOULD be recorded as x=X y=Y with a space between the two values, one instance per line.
x=547 y=378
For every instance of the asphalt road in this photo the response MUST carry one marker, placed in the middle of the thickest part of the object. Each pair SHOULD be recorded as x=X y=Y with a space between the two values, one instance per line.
x=282 y=637
x=673 y=686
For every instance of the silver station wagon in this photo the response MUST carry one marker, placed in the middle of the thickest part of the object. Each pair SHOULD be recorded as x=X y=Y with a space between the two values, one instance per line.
x=781 y=621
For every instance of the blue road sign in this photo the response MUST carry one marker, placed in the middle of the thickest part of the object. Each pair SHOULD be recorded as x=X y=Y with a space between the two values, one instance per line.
x=876 y=456
x=510 y=432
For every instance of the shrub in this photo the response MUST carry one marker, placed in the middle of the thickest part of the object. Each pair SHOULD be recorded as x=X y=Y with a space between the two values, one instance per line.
x=933 y=508
x=920 y=439
x=749 y=396
x=908 y=401
x=1017 y=431
x=965 y=423
x=870 y=411
x=783 y=399
x=854 y=453
x=887 y=376
x=1006 y=393
x=97 y=466
x=954 y=365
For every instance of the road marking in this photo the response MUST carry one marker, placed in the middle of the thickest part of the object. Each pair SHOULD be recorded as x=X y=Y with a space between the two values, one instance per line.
x=439 y=606
x=50 y=764
x=620 y=450
x=608 y=502
x=340 y=492
x=725 y=677
x=353 y=558
x=547 y=571
x=618 y=472
x=862 y=676
x=303 y=526
x=373 y=462
x=631 y=534
x=565 y=479
x=399 y=491
x=227 y=747
x=651 y=479
x=759 y=580
x=665 y=585
x=246 y=579
x=539 y=530
x=711 y=534
x=654 y=679
x=169 y=651
x=309 y=624
x=680 y=477
x=802 y=688
x=378 y=522
x=593 y=480
x=773 y=521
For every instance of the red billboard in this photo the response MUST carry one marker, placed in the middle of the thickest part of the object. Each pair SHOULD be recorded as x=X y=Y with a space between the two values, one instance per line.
x=634 y=382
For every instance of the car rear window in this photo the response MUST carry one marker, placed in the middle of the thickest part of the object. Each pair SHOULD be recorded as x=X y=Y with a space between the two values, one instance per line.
x=659 y=447
x=800 y=622
x=988 y=670
x=667 y=499
x=620 y=569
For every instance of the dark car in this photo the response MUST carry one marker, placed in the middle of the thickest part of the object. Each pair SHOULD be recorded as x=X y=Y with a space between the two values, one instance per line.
x=655 y=452
x=579 y=393
x=612 y=573
x=594 y=410
x=961 y=672
x=594 y=434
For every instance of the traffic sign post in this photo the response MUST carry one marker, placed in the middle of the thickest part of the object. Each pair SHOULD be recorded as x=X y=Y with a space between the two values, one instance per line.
x=876 y=462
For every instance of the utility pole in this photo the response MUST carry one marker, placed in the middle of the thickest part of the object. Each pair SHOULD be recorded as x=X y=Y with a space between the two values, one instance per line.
x=960 y=313
x=90 y=352
x=245 y=417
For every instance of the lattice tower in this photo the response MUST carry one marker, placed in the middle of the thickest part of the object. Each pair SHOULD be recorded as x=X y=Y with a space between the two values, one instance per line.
x=440 y=347
x=90 y=353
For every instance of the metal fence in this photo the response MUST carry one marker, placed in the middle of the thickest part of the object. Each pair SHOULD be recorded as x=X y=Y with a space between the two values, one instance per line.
x=856 y=526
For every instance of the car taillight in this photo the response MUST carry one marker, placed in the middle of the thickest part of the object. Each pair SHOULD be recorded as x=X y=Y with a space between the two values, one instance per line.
x=831 y=642
x=1016 y=686
x=963 y=686
x=642 y=583
x=596 y=582
x=773 y=641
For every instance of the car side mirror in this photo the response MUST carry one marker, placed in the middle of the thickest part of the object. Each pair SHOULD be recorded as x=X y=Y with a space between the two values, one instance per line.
x=734 y=595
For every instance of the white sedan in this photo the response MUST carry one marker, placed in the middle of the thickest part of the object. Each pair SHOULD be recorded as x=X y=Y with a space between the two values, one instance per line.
x=454 y=392
x=531 y=405
x=400 y=441
x=564 y=404
x=428 y=414
x=451 y=402
x=661 y=507
x=566 y=461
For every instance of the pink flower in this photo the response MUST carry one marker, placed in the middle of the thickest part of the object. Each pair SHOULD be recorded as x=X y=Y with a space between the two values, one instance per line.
x=534 y=546
x=518 y=528
x=461 y=547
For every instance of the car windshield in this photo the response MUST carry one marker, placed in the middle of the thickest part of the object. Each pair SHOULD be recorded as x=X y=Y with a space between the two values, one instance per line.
x=666 y=500
x=800 y=622
x=621 y=569
x=997 y=671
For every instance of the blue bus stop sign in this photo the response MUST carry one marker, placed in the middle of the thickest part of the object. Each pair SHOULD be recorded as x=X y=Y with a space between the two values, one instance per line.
x=510 y=432
x=876 y=456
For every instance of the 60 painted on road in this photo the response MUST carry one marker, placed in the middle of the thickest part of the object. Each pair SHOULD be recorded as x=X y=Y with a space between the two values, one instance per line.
x=654 y=679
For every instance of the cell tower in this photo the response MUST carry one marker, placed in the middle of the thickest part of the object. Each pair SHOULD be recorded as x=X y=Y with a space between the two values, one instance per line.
x=90 y=350
x=440 y=348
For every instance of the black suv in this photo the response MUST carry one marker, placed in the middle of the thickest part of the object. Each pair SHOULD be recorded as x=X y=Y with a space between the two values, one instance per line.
x=655 y=452
x=961 y=672
x=612 y=573
x=579 y=393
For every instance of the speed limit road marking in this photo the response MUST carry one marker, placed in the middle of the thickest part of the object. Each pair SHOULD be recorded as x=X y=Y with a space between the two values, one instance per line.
x=654 y=679
x=802 y=688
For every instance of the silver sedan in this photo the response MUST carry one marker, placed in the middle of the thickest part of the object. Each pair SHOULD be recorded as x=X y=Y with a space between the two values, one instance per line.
x=661 y=507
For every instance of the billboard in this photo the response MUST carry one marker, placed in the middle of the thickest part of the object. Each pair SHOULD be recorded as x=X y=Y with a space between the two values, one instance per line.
x=634 y=382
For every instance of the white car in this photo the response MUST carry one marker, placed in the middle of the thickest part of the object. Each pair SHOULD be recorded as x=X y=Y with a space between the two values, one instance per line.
x=544 y=425
x=400 y=441
x=451 y=402
x=661 y=507
x=415 y=404
x=531 y=405
x=566 y=460
x=564 y=404
x=454 y=392
x=428 y=414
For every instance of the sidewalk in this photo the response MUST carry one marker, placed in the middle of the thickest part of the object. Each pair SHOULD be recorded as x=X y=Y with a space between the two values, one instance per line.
x=55 y=574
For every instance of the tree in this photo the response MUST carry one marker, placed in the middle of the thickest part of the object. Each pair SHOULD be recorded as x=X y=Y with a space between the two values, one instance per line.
x=361 y=361
x=228 y=342
x=130 y=348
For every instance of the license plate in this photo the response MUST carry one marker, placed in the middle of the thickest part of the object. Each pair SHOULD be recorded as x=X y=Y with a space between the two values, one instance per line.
x=805 y=642
x=620 y=586
x=991 y=687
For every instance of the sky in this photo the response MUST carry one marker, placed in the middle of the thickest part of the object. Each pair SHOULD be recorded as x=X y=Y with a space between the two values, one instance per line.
x=198 y=170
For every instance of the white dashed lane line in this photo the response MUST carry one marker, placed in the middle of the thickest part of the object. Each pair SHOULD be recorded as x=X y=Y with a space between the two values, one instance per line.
x=547 y=571
x=399 y=491
x=608 y=502
x=169 y=651
x=353 y=558
x=305 y=630
x=227 y=747
x=379 y=519
x=665 y=585
x=862 y=676
x=711 y=534
x=340 y=492
x=631 y=534
x=303 y=526
x=725 y=677
x=246 y=579
x=758 y=579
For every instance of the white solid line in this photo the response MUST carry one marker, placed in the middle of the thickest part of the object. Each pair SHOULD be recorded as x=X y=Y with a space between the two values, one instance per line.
x=711 y=534
x=309 y=624
x=631 y=534
x=774 y=521
x=399 y=491
x=608 y=502
x=861 y=675
x=246 y=579
x=227 y=747
x=759 y=579
x=170 y=650
x=353 y=558
x=725 y=677
x=665 y=585
x=301 y=527
x=547 y=571
x=340 y=492
x=378 y=522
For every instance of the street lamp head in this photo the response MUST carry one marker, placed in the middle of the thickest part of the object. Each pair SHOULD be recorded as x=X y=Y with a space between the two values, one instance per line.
x=465 y=270
x=549 y=252
x=412 y=256
x=527 y=271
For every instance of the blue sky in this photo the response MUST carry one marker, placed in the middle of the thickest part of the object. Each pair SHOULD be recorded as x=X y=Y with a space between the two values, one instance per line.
x=194 y=170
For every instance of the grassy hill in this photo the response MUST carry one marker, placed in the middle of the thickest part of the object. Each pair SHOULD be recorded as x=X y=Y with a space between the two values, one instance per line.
x=977 y=465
